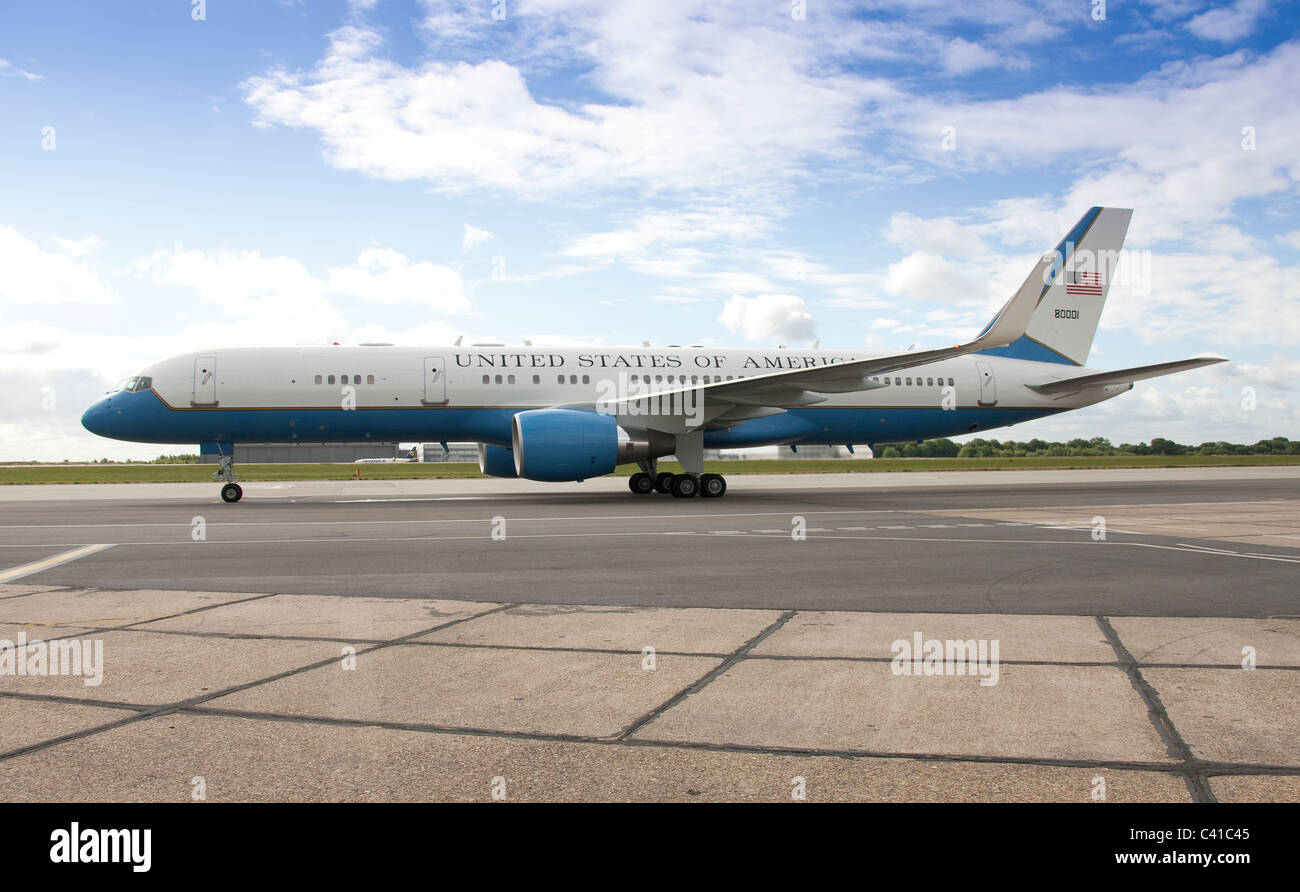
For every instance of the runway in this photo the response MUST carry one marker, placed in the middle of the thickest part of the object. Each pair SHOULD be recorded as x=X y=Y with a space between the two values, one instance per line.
x=1185 y=542
x=474 y=640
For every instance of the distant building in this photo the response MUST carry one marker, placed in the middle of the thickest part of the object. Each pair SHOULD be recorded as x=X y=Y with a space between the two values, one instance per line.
x=456 y=452
x=823 y=452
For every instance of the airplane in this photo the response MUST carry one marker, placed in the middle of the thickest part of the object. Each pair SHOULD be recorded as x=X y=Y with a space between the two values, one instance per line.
x=570 y=414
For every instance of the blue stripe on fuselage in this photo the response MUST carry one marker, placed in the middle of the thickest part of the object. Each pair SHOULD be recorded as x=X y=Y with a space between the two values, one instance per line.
x=143 y=417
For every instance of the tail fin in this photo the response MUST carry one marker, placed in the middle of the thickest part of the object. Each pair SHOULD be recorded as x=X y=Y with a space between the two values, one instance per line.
x=1074 y=289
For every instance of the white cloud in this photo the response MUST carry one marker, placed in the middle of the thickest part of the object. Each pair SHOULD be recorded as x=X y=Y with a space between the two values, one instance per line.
x=474 y=237
x=78 y=247
x=1228 y=24
x=704 y=96
x=31 y=275
x=8 y=69
x=245 y=283
x=922 y=276
x=961 y=56
x=939 y=235
x=386 y=276
x=1169 y=144
x=782 y=317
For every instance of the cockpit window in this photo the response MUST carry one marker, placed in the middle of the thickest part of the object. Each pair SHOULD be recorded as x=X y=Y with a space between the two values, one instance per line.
x=135 y=385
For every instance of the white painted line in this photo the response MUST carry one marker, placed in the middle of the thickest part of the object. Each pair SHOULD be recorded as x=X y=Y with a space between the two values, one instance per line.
x=1212 y=553
x=50 y=562
x=418 y=499
x=1207 y=548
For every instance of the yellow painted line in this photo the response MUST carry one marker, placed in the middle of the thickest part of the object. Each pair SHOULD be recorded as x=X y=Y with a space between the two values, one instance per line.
x=52 y=561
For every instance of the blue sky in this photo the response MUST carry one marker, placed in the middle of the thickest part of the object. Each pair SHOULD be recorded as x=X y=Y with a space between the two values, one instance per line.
x=867 y=175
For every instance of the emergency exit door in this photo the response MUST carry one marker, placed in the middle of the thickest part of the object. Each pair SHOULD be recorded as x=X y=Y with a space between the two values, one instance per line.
x=435 y=381
x=988 y=387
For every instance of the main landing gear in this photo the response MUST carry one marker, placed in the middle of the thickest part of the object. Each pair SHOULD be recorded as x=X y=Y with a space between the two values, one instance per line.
x=230 y=490
x=690 y=452
x=682 y=486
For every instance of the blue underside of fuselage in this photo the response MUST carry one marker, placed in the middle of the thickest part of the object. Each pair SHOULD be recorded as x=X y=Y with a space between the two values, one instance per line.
x=143 y=417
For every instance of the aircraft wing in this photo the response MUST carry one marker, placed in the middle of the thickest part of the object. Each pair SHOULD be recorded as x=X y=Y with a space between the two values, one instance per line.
x=1123 y=376
x=679 y=410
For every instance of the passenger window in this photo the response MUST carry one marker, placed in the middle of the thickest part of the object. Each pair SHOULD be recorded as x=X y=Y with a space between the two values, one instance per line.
x=370 y=379
x=898 y=381
x=331 y=379
x=929 y=382
x=498 y=379
x=573 y=379
x=318 y=379
x=950 y=384
x=560 y=379
x=537 y=379
x=510 y=379
x=586 y=379
x=909 y=382
x=487 y=379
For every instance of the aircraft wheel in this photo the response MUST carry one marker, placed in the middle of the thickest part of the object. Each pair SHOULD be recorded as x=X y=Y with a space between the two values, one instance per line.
x=662 y=481
x=641 y=483
x=684 y=486
x=712 y=486
x=232 y=492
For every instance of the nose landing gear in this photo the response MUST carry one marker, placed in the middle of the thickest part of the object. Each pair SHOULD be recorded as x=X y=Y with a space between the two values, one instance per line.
x=230 y=490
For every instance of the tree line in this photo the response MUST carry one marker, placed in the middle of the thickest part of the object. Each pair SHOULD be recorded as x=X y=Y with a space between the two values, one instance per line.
x=980 y=448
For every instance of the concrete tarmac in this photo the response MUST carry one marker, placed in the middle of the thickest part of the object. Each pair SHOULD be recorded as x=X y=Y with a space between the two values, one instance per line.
x=470 y=640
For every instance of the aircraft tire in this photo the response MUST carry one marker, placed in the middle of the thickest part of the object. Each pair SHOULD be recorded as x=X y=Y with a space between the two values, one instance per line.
x=641 y=483
x=713 y=486
x=684 y=486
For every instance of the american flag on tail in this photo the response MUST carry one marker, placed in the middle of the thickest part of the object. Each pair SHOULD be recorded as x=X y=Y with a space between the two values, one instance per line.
x=1083 y=283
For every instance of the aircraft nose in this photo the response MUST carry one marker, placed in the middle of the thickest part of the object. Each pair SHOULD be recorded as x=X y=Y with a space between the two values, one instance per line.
x=97 y=419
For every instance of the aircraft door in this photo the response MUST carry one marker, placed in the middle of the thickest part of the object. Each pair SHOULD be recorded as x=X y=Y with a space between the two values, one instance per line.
x=205 y=381
x=435 y=381
x=988 y=387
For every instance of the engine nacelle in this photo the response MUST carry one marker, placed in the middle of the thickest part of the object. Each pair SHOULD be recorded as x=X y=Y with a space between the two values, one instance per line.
x=496 y=461
x=559 y=445
x=563 y=444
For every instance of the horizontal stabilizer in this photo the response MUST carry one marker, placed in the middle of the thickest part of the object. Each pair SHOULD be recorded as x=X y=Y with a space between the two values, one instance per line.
x=1123 y=376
